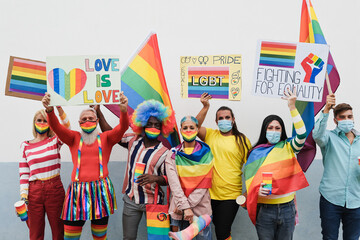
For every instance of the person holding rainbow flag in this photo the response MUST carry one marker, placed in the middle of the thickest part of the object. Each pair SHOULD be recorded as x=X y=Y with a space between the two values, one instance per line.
x=272 y=162
x=189 y=170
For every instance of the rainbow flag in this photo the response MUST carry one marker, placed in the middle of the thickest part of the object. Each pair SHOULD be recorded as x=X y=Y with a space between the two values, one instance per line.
x=195 y=170
x=143 y=79
x=26 y=78
x=213 y=80
x=276 y=54
x=311 y=32
x=287 y=175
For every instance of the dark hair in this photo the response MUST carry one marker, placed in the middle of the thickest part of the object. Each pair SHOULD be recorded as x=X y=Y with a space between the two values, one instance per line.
x=240 y=137
x=340 y=108
x=265 y=124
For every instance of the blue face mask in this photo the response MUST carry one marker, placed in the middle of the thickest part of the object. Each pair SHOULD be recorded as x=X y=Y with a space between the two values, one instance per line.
x=225 y=125
x=346 y=125
x=273 y=137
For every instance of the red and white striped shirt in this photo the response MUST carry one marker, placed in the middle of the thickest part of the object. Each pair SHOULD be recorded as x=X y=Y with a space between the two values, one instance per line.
x=40 y=161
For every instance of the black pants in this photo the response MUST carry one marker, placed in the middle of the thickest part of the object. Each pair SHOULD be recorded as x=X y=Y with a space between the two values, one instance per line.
x=224 y=212
x=101 y=221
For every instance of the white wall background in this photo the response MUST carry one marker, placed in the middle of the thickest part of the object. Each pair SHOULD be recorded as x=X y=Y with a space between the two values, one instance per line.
x=39 y=28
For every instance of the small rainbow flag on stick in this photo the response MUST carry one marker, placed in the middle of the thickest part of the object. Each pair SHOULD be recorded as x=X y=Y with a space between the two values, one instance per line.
x=143 y=79
x=26 y=78
x=276 y=54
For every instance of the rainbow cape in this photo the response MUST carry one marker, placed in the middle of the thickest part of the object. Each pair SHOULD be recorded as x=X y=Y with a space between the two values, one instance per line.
x=281 y=161
x=194 y=170
x=143 y=79
x=311 y=32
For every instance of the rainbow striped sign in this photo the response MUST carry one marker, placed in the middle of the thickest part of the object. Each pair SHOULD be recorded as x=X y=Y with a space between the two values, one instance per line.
x=277 y=54
x=26 y=78
x=139 y=170
x=213 y=80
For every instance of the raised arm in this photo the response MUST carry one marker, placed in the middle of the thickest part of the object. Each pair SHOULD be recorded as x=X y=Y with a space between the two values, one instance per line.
x=104 y=126
x=114 y=136
x=63 y=117
x=66 y=135
x=320 y=135
x=298 y=141
x=205 y=97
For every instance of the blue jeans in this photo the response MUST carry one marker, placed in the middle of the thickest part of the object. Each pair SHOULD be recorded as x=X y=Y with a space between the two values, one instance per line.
x=203 y=235
x=275 y=221
x=331 y=215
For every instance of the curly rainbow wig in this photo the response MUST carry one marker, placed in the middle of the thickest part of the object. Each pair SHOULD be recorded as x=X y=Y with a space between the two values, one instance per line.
x=153 y=108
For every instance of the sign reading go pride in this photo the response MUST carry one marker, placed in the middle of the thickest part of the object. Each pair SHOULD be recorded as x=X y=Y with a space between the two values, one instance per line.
x=83 y=80
x=282 y=65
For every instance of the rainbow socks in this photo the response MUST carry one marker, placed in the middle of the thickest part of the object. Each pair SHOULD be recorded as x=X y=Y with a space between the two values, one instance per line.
x=72 y=232
x=99 y=232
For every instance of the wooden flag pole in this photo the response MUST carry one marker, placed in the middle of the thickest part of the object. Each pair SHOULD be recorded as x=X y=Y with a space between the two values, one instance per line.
x=328 y=83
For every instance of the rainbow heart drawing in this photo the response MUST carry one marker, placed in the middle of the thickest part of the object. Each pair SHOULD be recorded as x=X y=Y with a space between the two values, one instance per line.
x=67 y=85
x=235 y=91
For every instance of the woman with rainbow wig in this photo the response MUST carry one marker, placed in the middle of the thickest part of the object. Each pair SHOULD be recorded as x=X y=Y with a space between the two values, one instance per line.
x=189 y=169
x=39 y=170
x=149 y=120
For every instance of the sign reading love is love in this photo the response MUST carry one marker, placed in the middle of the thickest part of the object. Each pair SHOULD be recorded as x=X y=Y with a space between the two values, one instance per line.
x=283 y=65
x=218 y=75
x=83 y=80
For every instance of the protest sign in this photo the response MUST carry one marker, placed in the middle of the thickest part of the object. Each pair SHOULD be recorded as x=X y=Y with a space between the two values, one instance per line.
x=282 y=65
x=26 y=78
x=83 y=80
x=218 y=75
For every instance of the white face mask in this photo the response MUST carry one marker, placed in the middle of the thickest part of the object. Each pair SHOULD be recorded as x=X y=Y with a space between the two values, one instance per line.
x=345 y=125
x=273 y=136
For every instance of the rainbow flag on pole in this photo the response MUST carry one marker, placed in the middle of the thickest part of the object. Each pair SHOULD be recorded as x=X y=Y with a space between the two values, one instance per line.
x=143 y=79
x=311 y=32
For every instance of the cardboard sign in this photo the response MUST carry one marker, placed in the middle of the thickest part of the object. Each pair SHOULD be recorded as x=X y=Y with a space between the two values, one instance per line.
x=282 y=65
x=218 y=75
x=26 y=78
x=83 y=80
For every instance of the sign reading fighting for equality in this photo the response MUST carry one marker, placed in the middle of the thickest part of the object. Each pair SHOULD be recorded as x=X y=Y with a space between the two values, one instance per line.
x=83 y=80
x=218 y=75
x=282 y=65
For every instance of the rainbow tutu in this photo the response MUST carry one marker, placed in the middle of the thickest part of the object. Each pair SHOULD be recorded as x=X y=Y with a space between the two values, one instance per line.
x=89 y=200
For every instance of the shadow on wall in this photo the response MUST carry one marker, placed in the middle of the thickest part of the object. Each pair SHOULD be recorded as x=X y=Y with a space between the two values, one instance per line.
x=12 y=228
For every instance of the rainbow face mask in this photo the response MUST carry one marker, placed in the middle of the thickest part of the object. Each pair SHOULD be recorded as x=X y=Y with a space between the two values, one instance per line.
x=88 y=126
x=189 y=136
x=41 y=128
x=152 y=133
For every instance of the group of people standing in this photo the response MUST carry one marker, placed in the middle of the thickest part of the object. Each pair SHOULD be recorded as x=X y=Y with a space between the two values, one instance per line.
x=205 y=177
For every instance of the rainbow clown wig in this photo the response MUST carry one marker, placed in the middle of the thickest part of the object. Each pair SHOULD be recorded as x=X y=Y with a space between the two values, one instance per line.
x=153 y=108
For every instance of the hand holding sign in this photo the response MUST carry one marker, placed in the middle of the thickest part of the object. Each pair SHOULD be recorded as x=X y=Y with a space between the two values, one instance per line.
x=291 y=98
x=46 y=102
x=204 y=99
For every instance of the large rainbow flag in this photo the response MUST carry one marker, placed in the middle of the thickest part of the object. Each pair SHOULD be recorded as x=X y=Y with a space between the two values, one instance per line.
x=143 y=79
x=26 y=78
x=311 y=32
x=287 y=175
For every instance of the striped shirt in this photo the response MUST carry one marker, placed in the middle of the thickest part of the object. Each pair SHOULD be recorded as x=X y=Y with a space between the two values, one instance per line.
x=153 y=157
x=40 y=160
x=296 y=144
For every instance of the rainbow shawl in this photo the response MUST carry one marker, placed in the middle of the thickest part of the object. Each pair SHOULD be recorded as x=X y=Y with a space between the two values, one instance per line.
x=281 y=161
x=194 y=170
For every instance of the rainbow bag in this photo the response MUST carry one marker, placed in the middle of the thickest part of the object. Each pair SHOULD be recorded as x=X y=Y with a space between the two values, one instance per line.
x=157 y=218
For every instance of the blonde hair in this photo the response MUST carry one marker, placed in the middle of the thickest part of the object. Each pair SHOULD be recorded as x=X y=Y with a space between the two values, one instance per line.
x=41 y=112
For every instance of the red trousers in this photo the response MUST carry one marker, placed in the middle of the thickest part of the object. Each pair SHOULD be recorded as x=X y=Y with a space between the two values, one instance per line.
x=45 y=197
